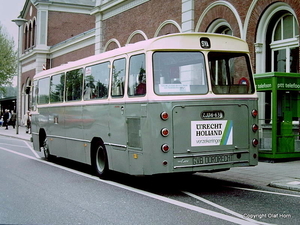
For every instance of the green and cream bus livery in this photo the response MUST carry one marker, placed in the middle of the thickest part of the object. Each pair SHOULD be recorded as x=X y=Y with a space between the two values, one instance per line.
x=172 y=104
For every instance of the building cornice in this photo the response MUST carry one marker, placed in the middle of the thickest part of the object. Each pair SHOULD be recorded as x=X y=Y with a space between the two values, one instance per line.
x=114 y=7
x=85 y=39
x=29 y=55
x=81 y=40
x=63 y=7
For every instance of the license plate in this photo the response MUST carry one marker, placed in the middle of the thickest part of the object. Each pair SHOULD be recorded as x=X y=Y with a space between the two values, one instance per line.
x=212 y=159
x=216 y=114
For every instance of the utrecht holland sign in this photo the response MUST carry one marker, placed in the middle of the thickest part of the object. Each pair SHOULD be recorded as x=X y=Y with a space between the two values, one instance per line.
x=210 y=133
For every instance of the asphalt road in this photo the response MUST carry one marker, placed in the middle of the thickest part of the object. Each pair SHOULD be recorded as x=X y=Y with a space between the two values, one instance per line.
x=33 y=191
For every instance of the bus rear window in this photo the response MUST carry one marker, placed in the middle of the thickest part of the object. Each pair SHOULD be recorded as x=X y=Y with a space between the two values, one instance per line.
x=179 y=73
x=230 y=73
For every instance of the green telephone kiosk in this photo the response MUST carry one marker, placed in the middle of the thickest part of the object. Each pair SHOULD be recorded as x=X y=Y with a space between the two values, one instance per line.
x=280 y=123
x=286 y=139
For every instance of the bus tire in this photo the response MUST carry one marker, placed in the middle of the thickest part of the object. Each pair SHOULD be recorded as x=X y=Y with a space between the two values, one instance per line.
x=45 y=149
x=100 y=161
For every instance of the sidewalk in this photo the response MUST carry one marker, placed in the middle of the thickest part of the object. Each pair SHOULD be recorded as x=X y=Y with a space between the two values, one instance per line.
x=285 y=175
x=11 y=132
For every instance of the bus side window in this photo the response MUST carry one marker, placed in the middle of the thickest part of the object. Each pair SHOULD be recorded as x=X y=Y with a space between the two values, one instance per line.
x=34 y=95
x=118 y=77
x=137 y=76
x=43 y=90
x=74 y=85
x=57 y=86
x=96 y=80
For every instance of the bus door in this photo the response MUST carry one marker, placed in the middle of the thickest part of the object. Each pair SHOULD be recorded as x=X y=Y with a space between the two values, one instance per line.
x=73 y=115
x=56 y=130
x=117 y=120
x=136 y=112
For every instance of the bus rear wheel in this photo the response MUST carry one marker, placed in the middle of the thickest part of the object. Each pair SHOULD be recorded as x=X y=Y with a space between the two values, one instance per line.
x=100 y=162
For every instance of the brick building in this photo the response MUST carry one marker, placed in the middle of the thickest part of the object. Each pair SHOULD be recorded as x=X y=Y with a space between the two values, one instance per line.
x=55 y=32
x=59 y=31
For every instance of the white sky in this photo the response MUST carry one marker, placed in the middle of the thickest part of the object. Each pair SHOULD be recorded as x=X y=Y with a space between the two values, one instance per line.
x=9 y=10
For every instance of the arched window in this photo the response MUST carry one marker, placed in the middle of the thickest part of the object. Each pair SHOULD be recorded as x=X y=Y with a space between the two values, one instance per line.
x=26 y=37
x=285 y=45
x=28 y=95
x=112 y=44
x=220 y=26
x=224 y=30
x=33 y=33
x=30 y=36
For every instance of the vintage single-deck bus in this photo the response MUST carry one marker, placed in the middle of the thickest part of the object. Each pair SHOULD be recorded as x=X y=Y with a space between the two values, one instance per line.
x=172 y=104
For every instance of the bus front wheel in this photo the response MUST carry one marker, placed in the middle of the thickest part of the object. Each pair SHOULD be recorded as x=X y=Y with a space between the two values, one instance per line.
x=45 y=149
x=100 y=162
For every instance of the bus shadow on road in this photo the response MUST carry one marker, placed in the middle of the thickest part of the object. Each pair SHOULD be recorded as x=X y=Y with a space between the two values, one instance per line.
x=169 y=184
x=165 y=184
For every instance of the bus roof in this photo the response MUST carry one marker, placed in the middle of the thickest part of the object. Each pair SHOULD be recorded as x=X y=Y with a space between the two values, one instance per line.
x=177 y=41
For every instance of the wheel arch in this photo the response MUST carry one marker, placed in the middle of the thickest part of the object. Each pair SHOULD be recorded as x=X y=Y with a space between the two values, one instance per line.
x=96 y=141
x=42 y=136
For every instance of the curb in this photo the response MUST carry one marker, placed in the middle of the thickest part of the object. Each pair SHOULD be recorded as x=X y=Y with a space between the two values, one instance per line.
x=289 y=184
x=17 y=136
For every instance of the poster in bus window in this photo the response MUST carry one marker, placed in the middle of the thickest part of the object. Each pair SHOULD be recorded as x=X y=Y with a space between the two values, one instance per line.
x=211 y=133
x=164 y=88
